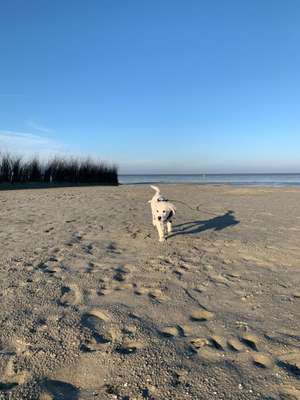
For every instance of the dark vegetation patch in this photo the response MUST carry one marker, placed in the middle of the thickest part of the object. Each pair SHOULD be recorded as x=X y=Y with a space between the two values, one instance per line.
x=58 y=171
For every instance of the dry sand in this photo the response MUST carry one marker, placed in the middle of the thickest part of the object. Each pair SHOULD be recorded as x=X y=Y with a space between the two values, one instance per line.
x=94 y=307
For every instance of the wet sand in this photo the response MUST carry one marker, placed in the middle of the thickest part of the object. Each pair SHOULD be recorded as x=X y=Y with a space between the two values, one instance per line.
x=94 y=307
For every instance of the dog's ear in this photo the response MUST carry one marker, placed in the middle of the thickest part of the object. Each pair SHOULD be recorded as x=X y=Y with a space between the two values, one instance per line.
x=173 y=208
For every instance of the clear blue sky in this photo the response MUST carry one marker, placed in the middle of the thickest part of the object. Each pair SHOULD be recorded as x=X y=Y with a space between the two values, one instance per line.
x=155 y=86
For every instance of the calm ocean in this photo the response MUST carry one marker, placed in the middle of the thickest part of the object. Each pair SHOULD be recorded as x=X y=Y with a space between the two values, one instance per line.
x=233 y=179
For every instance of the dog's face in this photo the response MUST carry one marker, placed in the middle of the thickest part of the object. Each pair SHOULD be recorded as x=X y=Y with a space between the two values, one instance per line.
x=163 y=211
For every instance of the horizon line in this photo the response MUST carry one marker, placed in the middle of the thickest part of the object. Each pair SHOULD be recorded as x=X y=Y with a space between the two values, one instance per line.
x=211 y=173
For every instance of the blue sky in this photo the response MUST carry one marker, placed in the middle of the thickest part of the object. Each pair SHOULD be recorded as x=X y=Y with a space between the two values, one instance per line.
x=154 y=86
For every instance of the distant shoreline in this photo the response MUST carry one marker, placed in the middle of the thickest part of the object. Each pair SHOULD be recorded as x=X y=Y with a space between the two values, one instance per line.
x=220 y=174
x=256 y=179
x=214 y=184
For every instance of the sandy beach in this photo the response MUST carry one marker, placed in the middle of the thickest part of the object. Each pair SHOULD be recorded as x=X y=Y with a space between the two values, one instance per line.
x=94 y=307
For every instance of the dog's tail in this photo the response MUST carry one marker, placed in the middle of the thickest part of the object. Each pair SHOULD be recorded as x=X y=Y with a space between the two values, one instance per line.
x=155 y=188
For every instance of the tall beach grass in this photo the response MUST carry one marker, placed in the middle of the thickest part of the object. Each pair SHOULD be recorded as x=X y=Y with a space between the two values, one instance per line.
x=57 y=171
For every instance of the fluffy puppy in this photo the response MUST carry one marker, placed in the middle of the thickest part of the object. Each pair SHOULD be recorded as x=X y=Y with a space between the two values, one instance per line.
x=162 y=213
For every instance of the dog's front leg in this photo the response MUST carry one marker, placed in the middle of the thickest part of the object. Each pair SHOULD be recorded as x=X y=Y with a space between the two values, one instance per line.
x=153 y=215
x=169 y=227
x=160 y=230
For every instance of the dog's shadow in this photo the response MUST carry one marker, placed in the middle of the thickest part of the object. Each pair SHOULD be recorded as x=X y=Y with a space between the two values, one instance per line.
x=216 y=223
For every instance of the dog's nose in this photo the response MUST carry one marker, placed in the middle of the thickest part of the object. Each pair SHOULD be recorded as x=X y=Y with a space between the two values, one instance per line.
x=159 y=218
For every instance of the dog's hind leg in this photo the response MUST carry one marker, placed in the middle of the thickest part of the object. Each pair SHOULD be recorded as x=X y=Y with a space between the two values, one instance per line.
x=169 y=227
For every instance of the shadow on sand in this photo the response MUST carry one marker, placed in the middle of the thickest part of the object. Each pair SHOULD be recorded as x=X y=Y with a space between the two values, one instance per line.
x=217 y=224
x=59 y=390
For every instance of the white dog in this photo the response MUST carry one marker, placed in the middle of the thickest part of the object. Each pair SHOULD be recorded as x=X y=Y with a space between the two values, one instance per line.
x=162 y=213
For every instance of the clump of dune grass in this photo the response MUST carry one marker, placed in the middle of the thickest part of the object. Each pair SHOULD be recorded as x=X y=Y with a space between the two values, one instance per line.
x=59 y=170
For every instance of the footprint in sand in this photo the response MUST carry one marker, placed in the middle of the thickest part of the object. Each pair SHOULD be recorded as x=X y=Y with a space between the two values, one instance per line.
x=87 y=248
x=291 y=362
x=178 y=273
x=12 y=377
x=119 y=276
x=184 y=267
x=218 y=342
x=52 y=389
x=54 y=269
x=121 y=273
x=235 y=345
x=112 y=390
x=89 y=268
x=54 y=265
x=157 y=295
x=129 y=330
x=214 y=342
x=98 y=313
x=199 y=342
x=180 y=377
x=112 y=248
x=200 y=288
x=91 y=295
x=71 y=296
x=141 y=291
x=130 y=346
x=289 y=393
x=49 y=229
x=262 y=360
x=104 y=290
x=96 y=343
x=201 y=316
x=7 y=385
x=218 y=279
x=53 y=257
x=207 y=354
x=101 y=337
x=208 y=268
x=187 y=330
x=95 y=320
x=75 y=239
x=48 y=268
x=233 y=276
x=171 y=331
x=250 y=340
x=124 y=286
x=69 y=221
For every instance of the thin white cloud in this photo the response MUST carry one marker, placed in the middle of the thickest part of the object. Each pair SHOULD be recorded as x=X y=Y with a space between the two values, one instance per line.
x=38 y=127
x=27 y=144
